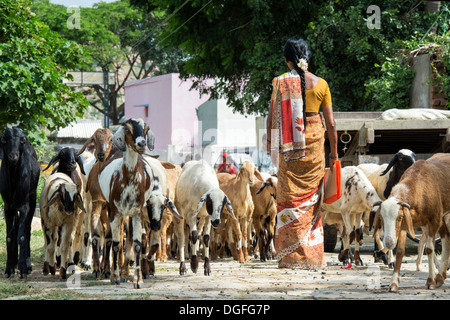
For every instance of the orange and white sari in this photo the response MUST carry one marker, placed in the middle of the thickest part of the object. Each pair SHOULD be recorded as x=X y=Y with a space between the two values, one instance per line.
x=299 y=232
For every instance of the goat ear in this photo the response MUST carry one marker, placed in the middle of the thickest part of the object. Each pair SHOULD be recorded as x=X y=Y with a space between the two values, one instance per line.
x=408 y=220
x=261 y=188
x=258 y=175
x=88 y=142
x=169 y=205
x=54 y=197
x=229 y=207
x=373 y=213
x=52 y=161
x=119 y=139
x=393 y=161
x=80 y=163
x=150 y=140
x=200 y=203
x=79 y=202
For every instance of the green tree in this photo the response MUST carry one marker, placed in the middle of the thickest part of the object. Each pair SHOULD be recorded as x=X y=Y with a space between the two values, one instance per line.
x=33 y=62
x=121 y=39
x=240 y=43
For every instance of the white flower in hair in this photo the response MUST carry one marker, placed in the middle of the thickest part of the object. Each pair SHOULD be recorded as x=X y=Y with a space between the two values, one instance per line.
x=302 y=64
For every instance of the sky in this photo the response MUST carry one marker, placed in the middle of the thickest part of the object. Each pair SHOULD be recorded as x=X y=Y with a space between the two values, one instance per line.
x=79 y=3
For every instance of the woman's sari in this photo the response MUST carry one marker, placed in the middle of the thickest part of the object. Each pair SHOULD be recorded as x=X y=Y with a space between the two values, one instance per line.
x=299 y=234
x=301 y=168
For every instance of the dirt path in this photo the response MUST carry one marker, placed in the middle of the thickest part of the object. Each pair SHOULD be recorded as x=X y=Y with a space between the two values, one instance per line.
x=257 y=280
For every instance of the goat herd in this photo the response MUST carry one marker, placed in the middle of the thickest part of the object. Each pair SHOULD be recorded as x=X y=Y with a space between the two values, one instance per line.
x=125 y=206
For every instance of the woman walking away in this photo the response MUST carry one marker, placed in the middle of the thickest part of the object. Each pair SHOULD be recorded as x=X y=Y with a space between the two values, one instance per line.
x=297 y=135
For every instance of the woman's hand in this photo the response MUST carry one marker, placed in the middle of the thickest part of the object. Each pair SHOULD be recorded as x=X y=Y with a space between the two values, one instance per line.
x=332 y=161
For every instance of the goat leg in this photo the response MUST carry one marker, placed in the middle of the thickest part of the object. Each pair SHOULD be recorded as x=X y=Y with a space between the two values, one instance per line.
x=138 y=236
x=11 y=241
x=400 y=252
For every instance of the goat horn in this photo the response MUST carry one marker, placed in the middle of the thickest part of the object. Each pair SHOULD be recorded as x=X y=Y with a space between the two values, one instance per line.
x=404 y=204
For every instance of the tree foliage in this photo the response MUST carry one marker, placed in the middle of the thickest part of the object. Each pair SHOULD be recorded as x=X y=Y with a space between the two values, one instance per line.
x=120 y=39
x=33 y=62
x=239 y=43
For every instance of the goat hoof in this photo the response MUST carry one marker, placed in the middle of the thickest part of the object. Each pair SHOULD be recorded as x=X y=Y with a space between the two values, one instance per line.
x=106 y=275
x=194 y=264
x=115 y=281
x=439 y=280
x=391 y=265
x=263 y=257
x=96 y=274
x=431 y=285
x=393 y=288
x=76 y=257
x=182 y=268
x=87 y=267
x=138 y=285
x=122 y=279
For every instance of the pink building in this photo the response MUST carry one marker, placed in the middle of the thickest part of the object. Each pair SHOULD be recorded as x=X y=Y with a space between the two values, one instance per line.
x=168 y=106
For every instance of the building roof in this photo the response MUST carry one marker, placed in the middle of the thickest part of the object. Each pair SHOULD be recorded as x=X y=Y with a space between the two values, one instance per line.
x=81 y=129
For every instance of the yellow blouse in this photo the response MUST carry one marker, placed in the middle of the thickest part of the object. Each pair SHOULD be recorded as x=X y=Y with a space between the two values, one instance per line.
x=318 y=96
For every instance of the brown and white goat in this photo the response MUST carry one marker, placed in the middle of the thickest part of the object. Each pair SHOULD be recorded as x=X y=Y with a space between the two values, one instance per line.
x=420 y=199
x=99 y=229
x=126 y=184
x=237 y=189
x=62 y=206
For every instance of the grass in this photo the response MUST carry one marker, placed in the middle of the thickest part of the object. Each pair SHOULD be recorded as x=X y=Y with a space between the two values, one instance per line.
x=14 y=286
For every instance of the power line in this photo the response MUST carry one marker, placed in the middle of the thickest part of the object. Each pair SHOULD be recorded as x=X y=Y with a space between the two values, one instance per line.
x=139 y=41
x=186 y=21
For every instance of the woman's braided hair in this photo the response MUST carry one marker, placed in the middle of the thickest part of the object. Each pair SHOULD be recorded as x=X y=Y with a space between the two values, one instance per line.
x=294 y=50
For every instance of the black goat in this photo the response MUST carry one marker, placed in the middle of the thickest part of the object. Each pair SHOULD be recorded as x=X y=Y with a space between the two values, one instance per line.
x=400 y=162
x=67 y=160
x=19 y=177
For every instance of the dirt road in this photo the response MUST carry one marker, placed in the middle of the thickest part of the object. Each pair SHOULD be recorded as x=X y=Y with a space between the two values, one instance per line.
x=259 y=280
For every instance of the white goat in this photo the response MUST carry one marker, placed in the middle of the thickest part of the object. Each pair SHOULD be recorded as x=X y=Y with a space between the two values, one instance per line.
x=196 y=186
x=358 y=196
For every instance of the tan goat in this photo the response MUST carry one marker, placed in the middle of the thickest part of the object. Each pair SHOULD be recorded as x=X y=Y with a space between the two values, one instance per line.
x=62 y=206
x=173 y=173
x=237 y=189
x=265 y=213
